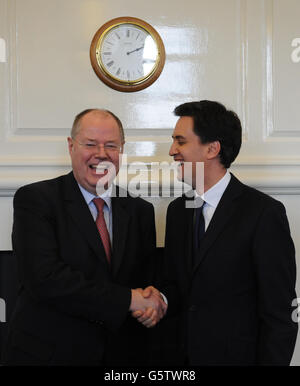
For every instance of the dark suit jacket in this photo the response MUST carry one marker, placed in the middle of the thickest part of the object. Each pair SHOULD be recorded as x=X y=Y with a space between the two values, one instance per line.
x=235 y=303
x=72 y=308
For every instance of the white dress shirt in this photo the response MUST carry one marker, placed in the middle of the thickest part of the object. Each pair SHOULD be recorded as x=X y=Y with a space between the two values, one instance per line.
x=212 y=198
x=107 y=209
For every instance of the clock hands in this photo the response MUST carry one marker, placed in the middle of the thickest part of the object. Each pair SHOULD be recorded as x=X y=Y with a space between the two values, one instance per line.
x=137 y=49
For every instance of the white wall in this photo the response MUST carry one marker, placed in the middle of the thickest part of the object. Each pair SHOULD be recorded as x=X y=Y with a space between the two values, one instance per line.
x=236 y=51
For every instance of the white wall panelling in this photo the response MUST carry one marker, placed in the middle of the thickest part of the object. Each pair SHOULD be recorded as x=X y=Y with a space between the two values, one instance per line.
x=242 y=59
x=2 y=50
x=237 y=52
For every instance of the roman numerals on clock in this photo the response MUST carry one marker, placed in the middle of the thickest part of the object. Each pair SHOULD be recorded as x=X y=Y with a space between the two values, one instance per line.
x=126 y=51
x=127 y=54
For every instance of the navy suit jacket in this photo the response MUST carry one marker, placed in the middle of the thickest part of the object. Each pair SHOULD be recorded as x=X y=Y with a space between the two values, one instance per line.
x=72 y=308
x=235 y=302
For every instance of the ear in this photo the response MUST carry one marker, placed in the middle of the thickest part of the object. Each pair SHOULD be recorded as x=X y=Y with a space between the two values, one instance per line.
x=214 y=149
x=70 y=144
x=122 y=147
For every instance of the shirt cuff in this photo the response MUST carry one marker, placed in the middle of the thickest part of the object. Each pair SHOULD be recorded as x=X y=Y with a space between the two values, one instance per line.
x=164 y=298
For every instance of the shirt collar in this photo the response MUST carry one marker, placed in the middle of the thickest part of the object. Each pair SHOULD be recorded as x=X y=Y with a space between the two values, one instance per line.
x=106 y=196
x=213 y=195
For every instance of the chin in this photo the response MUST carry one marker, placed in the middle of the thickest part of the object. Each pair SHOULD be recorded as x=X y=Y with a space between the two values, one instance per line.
x=185 y=178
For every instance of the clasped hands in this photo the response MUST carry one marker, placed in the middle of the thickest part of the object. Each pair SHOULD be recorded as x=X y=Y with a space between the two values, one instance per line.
x=147 y=306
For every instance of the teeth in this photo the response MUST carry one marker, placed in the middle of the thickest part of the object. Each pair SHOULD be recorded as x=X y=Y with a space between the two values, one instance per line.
x=98 y=166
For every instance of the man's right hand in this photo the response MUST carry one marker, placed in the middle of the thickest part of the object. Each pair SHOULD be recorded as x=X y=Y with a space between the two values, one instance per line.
x=147 y=306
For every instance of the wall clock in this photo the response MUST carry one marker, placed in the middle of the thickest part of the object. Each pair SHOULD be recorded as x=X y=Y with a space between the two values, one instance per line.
x=127 y=54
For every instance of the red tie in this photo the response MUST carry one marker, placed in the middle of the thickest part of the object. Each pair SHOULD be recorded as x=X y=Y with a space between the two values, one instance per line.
x=102 y=228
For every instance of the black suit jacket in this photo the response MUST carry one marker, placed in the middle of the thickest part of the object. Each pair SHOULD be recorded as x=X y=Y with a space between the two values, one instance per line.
x=235 y=303
x=72 y=308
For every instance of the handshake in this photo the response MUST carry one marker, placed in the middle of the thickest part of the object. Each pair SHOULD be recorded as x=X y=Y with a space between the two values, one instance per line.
x=147 y=306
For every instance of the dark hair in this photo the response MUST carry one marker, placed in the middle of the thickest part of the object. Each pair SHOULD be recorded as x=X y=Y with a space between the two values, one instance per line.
x=213 y=122
x=77 y=120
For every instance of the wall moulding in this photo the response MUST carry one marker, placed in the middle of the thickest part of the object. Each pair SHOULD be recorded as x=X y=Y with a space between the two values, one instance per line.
x=14 y=128
x=49 y=156
x=273 y=179
x=272 y=132
x=242 y=47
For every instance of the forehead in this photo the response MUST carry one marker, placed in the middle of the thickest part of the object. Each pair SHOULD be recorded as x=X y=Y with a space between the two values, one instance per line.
x=98 y=125
x=184 y=128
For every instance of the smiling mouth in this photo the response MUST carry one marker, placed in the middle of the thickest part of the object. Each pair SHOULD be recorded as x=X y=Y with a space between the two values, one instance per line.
x=103 y=168
x=100 y=169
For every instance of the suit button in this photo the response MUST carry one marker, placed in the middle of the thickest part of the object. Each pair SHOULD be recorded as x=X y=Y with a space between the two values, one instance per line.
x=193 y=308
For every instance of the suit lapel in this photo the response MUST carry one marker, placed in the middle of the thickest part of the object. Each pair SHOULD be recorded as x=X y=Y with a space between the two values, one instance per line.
x=223 y=214
x=121 y=219
x=82 y=217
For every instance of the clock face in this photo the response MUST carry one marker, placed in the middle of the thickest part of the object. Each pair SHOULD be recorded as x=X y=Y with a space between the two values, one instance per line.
x=127 y=53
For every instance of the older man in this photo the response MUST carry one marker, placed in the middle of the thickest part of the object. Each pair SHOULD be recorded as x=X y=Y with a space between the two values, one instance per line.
x=81 y=253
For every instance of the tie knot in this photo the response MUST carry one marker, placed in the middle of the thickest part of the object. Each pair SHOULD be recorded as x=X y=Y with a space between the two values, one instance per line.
x=99 y=202
x=200 y=206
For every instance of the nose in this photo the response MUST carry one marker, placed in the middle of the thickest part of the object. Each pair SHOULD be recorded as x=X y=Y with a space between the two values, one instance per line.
x=173 y=149
x=101 y=152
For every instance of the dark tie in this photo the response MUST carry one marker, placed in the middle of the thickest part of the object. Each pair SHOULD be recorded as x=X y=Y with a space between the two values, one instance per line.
x=102 y=228
x=199 y=230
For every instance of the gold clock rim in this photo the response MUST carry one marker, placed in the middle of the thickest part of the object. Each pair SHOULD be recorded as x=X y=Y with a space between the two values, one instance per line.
x=122 y=86
x=100 y=62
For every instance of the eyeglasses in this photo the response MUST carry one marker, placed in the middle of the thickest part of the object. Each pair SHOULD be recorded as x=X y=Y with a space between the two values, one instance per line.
x=109 y=147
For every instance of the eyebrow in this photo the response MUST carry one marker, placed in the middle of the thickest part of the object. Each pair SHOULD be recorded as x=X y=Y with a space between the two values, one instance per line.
x=178 y=137
x=94 y=140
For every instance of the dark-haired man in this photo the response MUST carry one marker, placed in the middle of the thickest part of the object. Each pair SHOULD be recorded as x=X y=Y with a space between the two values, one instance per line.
x=83 y=253
x=229 y=263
